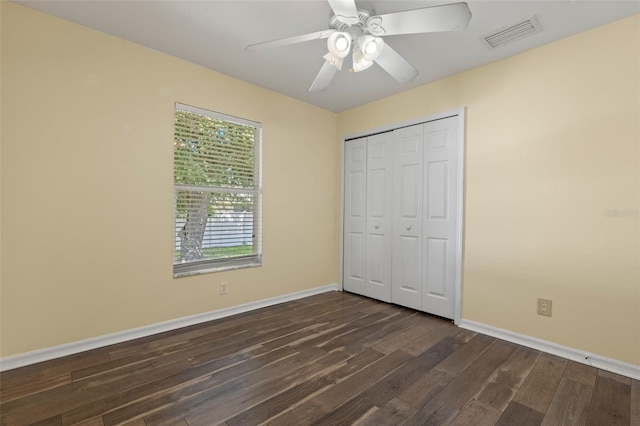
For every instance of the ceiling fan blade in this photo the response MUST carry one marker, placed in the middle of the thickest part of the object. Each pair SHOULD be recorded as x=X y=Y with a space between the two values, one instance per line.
x=291 y=40
x=346 y=8
x=324 y=77
x=397 y=66
x=447 y=17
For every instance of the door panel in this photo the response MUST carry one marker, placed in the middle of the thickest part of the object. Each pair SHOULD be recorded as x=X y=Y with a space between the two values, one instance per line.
x=377 y=192
x=436 y=256
x=354 y=216
x=410 y=178
x=407 y=216
x=409 y=252
x=379 y=217
x=356 y=194
x=440 y=234
x=437 y=188
x=376 y=270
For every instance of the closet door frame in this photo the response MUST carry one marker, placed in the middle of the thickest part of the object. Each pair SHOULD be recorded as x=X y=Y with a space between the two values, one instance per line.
x=460 y=112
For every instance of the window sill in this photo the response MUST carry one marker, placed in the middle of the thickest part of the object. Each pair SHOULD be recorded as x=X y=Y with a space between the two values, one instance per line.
x=211 y=269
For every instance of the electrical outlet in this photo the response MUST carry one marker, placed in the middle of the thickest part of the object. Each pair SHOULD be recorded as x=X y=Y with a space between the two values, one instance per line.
x=544 y=307
x=223 y=288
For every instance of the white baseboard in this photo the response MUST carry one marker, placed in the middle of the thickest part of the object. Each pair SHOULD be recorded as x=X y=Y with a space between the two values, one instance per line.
x=20 y=360
x=597 y=361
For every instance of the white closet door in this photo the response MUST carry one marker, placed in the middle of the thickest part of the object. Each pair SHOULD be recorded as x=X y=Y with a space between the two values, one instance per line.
x=354 y=215
x=379 y=216
x=407 y=216
x=440 y=207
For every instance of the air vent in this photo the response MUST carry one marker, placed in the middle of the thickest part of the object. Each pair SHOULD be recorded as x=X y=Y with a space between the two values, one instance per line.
x=512 y=33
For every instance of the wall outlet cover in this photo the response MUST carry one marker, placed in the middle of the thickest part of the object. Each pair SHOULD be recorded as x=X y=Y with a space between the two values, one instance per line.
x=544 y=307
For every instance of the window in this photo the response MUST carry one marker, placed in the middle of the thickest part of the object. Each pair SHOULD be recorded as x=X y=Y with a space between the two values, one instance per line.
x=217 y=185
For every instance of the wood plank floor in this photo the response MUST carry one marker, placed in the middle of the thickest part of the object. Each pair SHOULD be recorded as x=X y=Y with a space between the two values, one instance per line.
x=331 y=359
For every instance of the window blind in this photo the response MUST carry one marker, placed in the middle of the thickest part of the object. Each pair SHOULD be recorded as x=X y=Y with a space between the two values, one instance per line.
x=217 y=191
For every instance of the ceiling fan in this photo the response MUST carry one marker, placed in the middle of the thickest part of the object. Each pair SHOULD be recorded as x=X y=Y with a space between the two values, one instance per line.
x=360 y=32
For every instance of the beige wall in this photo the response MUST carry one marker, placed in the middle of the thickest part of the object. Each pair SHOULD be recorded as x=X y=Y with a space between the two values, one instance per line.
x=552 y=142
x=87 y=178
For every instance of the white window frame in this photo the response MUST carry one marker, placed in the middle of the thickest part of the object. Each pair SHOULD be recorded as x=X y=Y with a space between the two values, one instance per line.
x=237 y=262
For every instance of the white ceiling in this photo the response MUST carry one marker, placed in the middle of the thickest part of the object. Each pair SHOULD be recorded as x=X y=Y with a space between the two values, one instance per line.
x=215 y=33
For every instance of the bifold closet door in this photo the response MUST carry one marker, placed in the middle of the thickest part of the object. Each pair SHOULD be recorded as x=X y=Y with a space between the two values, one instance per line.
x=354 y=249
x=400 y=216
x=440 y=216
x=379 y=216
x=407 y=216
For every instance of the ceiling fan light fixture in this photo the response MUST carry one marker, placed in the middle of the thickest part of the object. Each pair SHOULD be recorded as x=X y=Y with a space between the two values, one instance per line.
x=342 y=44
x=339 y=44
x=370 y=49
x=370 y=46
x=360 y=62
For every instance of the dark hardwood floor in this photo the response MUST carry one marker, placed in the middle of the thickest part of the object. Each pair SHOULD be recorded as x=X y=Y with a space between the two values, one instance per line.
x=331 y=359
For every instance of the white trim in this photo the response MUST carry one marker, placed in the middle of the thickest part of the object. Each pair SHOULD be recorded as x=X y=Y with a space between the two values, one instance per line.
x=597 y=361
x=217 y=115
x=341 y=220
x=460 y=112
x=457 y=303
x=28 y=358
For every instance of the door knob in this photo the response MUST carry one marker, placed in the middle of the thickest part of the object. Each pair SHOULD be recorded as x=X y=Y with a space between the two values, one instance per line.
x=376 y=227
x=408 y=228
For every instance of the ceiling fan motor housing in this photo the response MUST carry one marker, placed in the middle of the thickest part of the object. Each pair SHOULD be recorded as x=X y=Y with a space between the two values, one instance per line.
x=345 y=24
